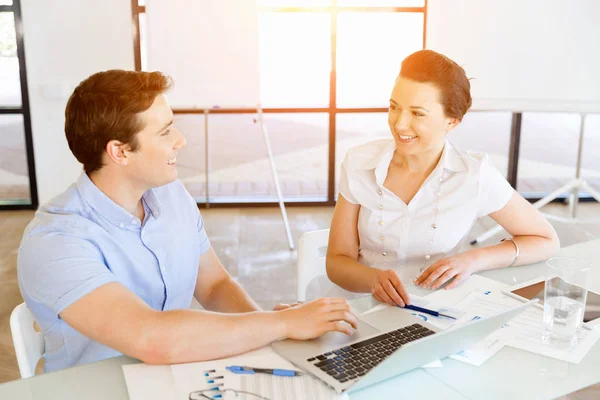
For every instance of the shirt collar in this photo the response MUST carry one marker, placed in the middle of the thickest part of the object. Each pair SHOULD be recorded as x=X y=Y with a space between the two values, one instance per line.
x=451 y=160
x=110 y=210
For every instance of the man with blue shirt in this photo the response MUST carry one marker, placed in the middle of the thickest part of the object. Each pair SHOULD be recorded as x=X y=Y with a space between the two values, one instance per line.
x=110 y=266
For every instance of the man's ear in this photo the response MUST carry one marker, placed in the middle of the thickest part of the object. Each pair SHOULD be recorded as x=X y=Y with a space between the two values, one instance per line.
x=118 y=152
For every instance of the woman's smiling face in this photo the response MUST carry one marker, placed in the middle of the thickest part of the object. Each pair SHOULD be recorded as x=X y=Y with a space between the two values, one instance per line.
x=416 y=117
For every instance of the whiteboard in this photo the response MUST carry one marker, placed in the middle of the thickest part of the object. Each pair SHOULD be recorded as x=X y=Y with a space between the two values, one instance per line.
x=208 y=47
x=524 y=55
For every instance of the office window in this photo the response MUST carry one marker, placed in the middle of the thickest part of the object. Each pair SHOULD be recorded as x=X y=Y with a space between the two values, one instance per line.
x=239 y=169
x=10 y=82
x=17 y=170
x=294 y=61
x=548 y=153
x=317 y=58
x=371 y=47
x=486 y=132
x=591 y=148
x=381 y=3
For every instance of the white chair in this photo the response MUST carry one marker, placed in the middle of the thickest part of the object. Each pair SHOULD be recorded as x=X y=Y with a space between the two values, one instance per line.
x=29 y=344
x=312 y=249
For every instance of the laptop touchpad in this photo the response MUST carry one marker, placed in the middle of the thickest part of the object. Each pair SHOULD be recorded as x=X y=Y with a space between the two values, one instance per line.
x=388 y=319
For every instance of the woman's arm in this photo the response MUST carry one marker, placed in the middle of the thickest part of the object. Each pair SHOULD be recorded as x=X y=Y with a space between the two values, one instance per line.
x=536 y=238
x=343 y=268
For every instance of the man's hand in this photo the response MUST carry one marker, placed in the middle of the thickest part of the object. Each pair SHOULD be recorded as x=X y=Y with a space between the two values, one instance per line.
x=387 y=288
x=313 y=319
x=456 y=268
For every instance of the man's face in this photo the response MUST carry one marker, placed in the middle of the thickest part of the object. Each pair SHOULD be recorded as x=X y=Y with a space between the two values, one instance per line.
x=154 y=162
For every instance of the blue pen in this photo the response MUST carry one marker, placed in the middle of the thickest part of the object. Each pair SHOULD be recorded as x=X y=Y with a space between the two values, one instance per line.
x=427 y=311
x=236 y=369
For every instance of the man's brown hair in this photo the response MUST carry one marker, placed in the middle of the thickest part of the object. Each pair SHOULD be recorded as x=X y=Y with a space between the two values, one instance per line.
x=104 y=107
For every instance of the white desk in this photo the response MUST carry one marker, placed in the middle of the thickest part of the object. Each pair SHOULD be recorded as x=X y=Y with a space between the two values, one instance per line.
x=510 y=374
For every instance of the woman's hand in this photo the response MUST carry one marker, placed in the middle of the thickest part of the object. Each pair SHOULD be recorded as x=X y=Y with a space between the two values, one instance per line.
x=387 y=288
x=456 y=268
x=284 y=306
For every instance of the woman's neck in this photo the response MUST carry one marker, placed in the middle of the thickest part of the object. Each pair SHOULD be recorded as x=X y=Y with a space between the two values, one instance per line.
x=421 y=163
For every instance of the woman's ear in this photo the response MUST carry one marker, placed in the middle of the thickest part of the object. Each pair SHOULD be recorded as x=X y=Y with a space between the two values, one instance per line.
x=452 y=123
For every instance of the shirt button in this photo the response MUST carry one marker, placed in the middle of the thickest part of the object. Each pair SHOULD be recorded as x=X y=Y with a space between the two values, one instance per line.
x=434 y=226
x=381 y=223
x=428 y=257
x=382 y=238
x=384 y=254
x=440 y=179
x=380 y=192
x=381 y=207
x=121 y=225
x=133 y=221
x=162 y=267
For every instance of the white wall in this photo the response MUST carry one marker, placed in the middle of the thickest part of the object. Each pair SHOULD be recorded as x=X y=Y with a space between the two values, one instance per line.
x=65 y=42
x=523 y=55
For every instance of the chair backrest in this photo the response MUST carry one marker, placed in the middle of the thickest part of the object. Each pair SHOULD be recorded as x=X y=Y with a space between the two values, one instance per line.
x=312 y=249
x=29 y=344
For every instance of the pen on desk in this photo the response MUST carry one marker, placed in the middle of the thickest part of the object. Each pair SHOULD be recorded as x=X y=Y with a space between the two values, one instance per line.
x=236 y=369
x=427 y=311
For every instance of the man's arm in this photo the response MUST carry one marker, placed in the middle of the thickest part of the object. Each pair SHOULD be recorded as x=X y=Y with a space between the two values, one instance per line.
x=217 y=291
x=116 y=317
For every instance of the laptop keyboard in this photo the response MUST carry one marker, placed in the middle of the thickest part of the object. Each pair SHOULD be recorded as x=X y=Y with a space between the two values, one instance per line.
x=354 y=361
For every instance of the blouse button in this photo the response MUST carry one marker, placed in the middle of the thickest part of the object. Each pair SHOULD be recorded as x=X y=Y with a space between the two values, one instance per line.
x=434 y=226
x=427 y=257
x=381 y=207
x=384 y=254
x=440 y=179
x=380 y=192
x=381 y=223
x=382 y=238
x=121 y=225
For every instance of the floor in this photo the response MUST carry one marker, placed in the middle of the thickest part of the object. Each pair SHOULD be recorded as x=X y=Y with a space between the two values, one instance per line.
x=251 y=243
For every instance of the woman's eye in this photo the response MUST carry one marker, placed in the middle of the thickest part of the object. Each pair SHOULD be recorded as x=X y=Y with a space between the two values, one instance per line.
x=418 y=114
x=166 y=132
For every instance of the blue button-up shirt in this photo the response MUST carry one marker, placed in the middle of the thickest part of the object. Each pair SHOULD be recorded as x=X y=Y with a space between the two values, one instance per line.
x=82 y=240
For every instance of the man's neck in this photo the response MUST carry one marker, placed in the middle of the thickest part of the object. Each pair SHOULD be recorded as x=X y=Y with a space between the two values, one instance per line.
x=123 y=192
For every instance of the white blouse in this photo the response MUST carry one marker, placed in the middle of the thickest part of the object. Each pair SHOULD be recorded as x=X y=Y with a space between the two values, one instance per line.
x=463 y=187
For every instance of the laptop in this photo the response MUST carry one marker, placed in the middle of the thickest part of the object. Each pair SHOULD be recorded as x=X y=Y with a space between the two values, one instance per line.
x=385 y=344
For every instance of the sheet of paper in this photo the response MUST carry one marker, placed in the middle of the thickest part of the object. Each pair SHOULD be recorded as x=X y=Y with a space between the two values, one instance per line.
x=434 y=364
x=482 y=351
x=191 y=377
x=474 y=284
x=529 y=327
x=438 y=322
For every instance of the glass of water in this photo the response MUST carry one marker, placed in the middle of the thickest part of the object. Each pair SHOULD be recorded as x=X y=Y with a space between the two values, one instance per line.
x=565 y=295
